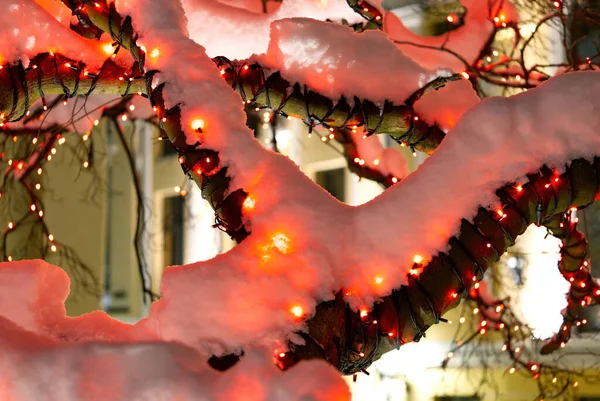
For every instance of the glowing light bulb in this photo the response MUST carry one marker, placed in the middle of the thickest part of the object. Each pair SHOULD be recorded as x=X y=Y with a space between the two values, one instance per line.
x=297 y=310
x=418 y=259
x=281 y=242
x=462 y=319
x=155 y=53
x=32 y=207
x=50 y=237
x=197 y=124
x=454 y=295
x=11 y=225
x=108 y=48
x=281 y=354
x=465 y=75
x=86 y=164
x=450 y=355
x=249 y=203
x=363 y=313
x=378 y=280
x=512 y=370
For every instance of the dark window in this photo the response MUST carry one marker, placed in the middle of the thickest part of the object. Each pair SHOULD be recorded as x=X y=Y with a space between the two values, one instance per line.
x=174 y=212
x=166 y=149
x=333 y=181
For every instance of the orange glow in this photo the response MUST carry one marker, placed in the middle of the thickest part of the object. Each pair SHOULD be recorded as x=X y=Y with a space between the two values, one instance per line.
x=519 y=188
x=378 y=280
x=500 y=212
x=450 y=18
x=418 y=259
x=454 y=295
x=249 y=203
x=391 y=334
x=465 y=75
x=297 y=310
x=197 y=124
x=155 y=53
x=534 y=367
x=363 y=313
x=281 y=354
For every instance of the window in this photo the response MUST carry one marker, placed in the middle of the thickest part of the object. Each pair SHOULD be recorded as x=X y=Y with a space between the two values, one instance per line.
x=333 y=181
x=173 y=230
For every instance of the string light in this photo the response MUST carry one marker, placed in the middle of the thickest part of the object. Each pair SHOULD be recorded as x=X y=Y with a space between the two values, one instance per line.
x=378 y=280
x=53 y=248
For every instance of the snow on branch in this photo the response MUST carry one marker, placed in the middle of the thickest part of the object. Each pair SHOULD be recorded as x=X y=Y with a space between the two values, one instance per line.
x=238 y=33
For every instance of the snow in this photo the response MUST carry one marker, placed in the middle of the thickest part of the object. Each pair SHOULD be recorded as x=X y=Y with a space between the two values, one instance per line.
x=28 y=29
x=240 y=32
x=467 y=41
x=336 y=62
x=48 y=356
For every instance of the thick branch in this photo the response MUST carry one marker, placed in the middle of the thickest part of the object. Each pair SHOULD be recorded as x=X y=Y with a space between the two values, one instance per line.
x=54 y=74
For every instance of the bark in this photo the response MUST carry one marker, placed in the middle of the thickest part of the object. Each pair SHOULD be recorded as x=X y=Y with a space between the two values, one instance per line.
x=54 y=74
